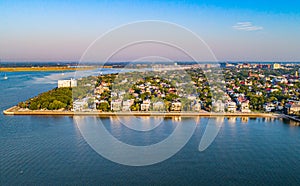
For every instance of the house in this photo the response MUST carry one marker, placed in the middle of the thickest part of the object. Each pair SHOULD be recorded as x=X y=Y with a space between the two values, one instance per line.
x=127 y=104
x=231 y=106
x=67 y=83
x=80 y=105
x=176 y=106
x=276 y=66
x=145 y=106
x=100 y=89
x=245 y=107
x=158 y=106
x=292 y=108
x=116 y=105
x=196 y=106
x=279 y=79
x=268 y=107
x=218 y=106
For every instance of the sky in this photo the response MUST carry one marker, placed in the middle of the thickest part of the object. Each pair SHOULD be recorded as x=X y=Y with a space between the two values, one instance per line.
x=257 y=30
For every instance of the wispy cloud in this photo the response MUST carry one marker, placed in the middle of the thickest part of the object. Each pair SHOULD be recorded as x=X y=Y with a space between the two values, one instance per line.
x=246 y=26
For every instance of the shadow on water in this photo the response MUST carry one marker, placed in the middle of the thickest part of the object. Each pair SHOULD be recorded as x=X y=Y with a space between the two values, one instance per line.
x=290 y=122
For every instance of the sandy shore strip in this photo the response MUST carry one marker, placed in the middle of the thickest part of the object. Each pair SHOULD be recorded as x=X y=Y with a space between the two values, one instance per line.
x=16 y=111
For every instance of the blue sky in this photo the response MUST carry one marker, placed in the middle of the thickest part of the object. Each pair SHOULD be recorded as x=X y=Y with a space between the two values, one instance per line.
x=234 y=30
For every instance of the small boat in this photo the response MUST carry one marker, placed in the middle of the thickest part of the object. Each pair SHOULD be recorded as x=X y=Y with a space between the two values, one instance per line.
x=5 y=77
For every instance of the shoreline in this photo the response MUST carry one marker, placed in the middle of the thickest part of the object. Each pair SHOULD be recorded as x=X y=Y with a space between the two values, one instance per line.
x=13 y=111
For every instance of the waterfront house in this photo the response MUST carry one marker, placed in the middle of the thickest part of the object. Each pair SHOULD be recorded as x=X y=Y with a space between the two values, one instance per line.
x=116 y=105
x=80 y=105
x=176 y=106
x=196 y=106
x=158 y=106
x=218 y=106
x=145 y=106
x=231 y=106
x=245 y=107
x=292 y=108
x=126 y=105
x=268 y=107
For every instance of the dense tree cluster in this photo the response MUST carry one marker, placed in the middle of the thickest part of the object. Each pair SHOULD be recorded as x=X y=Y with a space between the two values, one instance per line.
x=58 y=98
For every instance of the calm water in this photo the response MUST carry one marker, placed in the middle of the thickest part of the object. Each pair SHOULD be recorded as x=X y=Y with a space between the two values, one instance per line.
x=51 y=150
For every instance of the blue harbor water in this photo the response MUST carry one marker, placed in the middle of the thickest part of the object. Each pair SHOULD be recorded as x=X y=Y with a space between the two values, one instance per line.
x=40 y=150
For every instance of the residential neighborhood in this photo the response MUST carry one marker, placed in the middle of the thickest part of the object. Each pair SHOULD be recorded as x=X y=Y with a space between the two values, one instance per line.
x=244 y=88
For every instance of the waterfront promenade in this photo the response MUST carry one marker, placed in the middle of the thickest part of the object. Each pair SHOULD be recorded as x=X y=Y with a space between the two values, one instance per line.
x=16 y=111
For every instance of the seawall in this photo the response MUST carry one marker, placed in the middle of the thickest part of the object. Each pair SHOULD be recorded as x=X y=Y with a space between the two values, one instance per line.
x=15 y=111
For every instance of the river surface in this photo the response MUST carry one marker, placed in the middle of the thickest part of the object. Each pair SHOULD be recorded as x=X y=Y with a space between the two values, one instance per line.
x=39 y=150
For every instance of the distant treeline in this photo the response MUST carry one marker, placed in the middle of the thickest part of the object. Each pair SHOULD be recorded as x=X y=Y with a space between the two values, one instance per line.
x=37 y=64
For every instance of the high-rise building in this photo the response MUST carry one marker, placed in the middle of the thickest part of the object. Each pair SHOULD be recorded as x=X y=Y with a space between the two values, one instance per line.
x=276 y=66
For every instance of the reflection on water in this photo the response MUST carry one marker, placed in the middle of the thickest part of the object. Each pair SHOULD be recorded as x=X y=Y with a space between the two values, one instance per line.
x=244 y=119
x=104 y=142
x=231 y=120
x=290 y=122
x=145 y=123
x=176 y=118
x=52 y=151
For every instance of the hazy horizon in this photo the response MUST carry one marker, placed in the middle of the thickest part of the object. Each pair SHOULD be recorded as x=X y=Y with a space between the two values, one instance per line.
x=45 y=31
x=108 y=62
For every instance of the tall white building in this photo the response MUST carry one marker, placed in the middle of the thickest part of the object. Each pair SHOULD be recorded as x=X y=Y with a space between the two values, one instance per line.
x=276 y=66
x=67 y=83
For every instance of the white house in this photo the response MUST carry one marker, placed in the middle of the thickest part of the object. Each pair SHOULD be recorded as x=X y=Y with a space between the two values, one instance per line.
x=127 y=104
x=80 y=105
x=245 y=107
x=231 y=106
x=158 y=106
x=176 y=106
x=269 y=107
x=145 y=106
x=116 y=105
x=218 y=106
x=279 y=79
